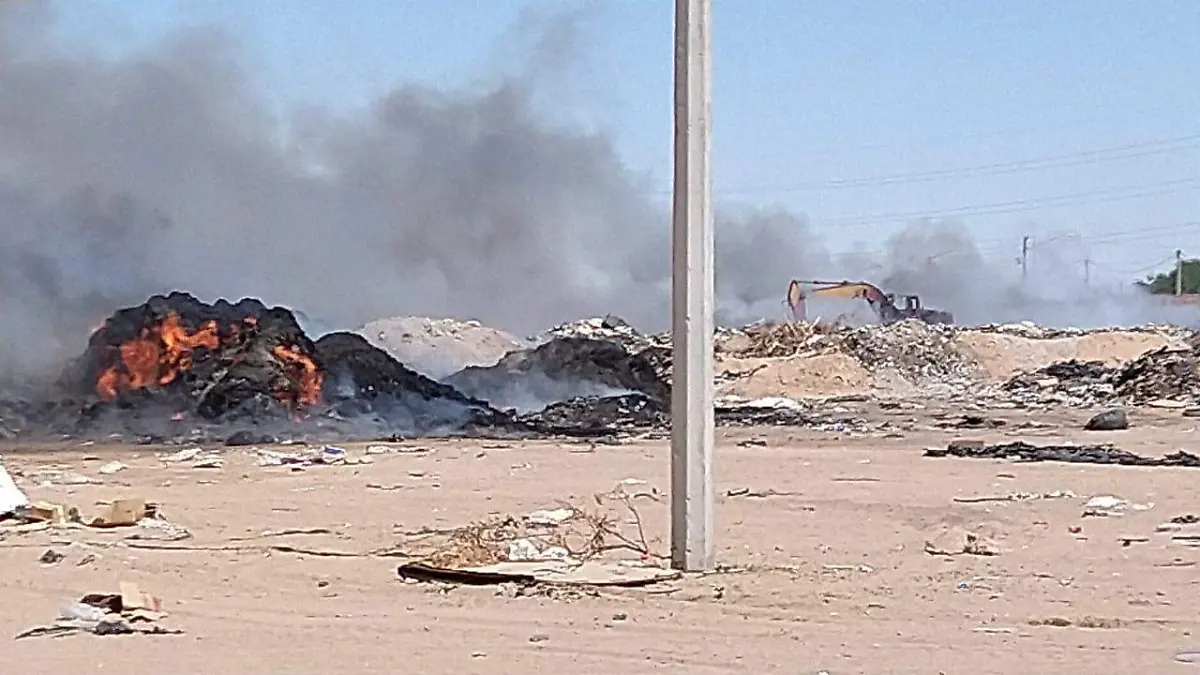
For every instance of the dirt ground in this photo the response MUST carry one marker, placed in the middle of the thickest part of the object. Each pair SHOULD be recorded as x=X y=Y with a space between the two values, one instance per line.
x=823 y=540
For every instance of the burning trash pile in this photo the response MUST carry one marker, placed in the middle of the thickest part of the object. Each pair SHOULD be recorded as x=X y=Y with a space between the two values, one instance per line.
x=178 y=367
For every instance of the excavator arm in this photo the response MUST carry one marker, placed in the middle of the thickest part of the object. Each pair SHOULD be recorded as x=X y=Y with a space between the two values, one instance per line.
x=800 y=291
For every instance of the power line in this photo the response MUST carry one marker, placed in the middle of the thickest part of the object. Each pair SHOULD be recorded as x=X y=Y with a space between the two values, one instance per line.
x=1098 y=156
x=1015 y=206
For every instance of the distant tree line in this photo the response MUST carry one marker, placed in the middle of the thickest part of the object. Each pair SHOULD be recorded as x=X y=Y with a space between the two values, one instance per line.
x=1163 y=283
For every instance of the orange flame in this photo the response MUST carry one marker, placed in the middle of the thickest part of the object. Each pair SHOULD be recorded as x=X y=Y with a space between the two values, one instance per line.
x=308 y=376
x=156 y=356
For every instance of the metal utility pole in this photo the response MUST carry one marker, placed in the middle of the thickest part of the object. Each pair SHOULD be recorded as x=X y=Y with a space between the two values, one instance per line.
x=692 y=432
x=1024 y=258
x=1178 y=271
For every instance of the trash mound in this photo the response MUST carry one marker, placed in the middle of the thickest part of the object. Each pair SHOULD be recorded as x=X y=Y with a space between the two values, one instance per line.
x=1075 y=454
x=1167 y=373
x=363 y=378
x=438 y=347
x=563 y=368
x=917 y=350
x=213 y=359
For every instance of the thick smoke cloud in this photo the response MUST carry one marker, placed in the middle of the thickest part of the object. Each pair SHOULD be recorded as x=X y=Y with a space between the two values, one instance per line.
x=166 y=170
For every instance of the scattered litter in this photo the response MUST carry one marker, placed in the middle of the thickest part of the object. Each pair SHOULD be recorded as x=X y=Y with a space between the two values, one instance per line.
x=51 y=557
x=1017 y=497
x=111 y=468
x=1111 y=506
x=758 y=494
x=127 y=612
x=308 y=457
x=552 y=517
x=973 y=544
x=11 y=497
x=185 y=455
x=1188 y=656
x=121 y=513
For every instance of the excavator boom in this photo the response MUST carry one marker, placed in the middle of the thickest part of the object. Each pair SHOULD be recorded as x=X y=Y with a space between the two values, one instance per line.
x=884 y=304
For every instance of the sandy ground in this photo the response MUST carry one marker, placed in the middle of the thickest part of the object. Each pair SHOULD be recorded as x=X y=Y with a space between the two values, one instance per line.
x=829 y=572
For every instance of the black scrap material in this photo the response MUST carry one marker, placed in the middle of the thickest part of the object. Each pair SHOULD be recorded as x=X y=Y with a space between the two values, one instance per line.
x=1109 y=420
x=1074 y=454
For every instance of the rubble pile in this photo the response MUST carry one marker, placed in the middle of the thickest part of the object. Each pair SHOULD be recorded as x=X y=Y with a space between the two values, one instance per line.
x=919 y=351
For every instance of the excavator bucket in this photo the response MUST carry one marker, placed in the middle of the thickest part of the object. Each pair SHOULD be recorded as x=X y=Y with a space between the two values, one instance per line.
x=795 y=301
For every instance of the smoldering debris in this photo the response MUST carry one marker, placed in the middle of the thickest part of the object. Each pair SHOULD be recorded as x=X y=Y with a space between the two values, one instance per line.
x=561 y=369
x=1074 y=454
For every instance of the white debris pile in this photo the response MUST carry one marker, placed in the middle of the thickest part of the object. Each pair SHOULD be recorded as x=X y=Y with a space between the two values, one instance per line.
x=917 y=350
x=438 y=347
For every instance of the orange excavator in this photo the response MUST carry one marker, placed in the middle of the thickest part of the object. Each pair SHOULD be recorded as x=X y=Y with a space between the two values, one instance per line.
x=884 y=304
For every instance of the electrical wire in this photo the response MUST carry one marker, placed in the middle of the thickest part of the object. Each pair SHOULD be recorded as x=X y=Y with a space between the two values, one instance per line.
x=1131 y=151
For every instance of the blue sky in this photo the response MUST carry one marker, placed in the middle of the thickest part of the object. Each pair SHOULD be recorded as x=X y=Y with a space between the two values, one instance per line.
x=860 y=114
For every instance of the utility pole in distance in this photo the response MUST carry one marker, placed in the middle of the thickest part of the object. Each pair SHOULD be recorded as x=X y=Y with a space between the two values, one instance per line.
x=1178 y=271
x=1087 y=271
x=1024 y=258
x=692 y=425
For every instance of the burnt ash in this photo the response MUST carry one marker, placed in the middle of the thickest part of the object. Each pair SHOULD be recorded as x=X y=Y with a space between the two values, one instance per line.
x=561 y=369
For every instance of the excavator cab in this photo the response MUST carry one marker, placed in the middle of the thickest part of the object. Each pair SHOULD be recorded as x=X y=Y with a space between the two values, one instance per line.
x=912 y=304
